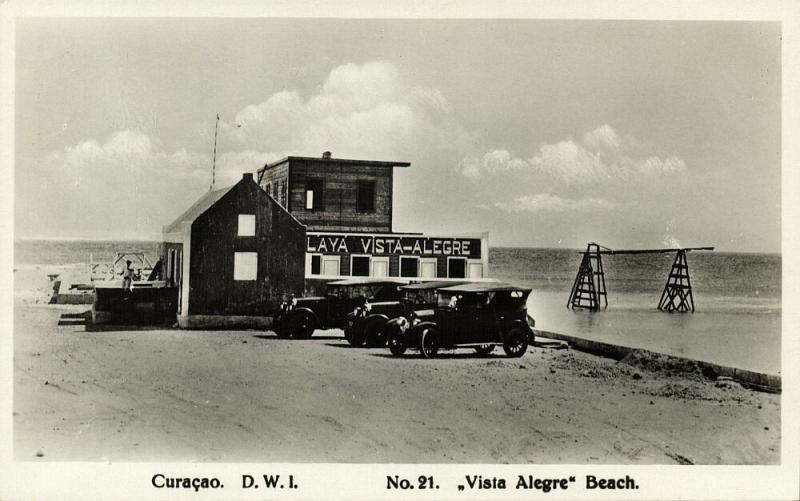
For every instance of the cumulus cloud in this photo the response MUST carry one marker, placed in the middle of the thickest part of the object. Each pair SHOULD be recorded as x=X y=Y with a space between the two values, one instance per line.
x=602 y=154
x=360 y=110
x=546 y=202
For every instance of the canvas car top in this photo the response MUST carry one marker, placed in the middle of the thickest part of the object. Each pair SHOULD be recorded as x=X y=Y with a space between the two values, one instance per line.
x=485 y=287
x=368 y=281
x=430 y=285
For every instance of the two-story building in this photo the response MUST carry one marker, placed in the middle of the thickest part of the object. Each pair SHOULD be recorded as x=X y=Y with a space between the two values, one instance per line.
x=346 y=206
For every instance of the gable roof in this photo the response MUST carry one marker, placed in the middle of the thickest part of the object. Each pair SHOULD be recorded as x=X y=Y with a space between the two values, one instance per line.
x=198 y=208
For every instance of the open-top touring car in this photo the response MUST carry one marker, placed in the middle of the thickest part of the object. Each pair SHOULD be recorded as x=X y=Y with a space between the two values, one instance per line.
x=478 y=315
x=299 y=317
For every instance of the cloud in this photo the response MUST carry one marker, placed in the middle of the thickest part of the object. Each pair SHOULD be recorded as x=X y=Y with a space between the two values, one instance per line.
x=602 y=155
x=546 y=202
x=363 y=111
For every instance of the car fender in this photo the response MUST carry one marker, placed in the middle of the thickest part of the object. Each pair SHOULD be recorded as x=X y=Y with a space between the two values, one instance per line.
x=416 y=330
x=308 y=310
x=523 y=325
x=374 y=316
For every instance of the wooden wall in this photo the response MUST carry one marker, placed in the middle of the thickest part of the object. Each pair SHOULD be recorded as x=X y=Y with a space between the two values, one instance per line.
x=340 y=185
x=279 y=241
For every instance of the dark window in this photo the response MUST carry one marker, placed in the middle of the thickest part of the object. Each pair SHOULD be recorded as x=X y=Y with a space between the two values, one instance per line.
x=275 y=191
x=409 y=267
x=314 y=194
x=268 y=189
x=360 y=266
x=365 y=198
x=457 y=268
x=282 y=192
x=316 y=265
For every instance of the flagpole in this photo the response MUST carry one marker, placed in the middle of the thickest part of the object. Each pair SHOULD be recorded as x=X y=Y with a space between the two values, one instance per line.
x=214 y=159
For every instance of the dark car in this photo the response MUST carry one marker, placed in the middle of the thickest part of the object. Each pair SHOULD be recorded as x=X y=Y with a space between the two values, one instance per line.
x=299 y=317
x=371 y=323
x=478 y=315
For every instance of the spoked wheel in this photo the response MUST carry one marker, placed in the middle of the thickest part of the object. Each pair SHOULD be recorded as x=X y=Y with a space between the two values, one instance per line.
x=301 y=325
x=484 y=349
x=515 y=342
x=429 y=342
x=375 y=333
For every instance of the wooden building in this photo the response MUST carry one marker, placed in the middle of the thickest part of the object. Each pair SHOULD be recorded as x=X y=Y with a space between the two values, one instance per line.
x=346 y=206
x=234 y=255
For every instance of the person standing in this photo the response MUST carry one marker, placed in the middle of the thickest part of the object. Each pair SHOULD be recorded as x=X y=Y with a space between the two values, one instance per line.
x=127 y=277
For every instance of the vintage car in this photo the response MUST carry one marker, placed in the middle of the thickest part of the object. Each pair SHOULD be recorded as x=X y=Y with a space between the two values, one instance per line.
x=478 y=315
x=371 y=323
x=299 y=317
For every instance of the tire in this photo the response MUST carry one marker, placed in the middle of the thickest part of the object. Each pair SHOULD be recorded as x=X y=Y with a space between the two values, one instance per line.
x=356 y=330
x=515 y=342
x=395 y=343
x=301 y=325
x=348 y=330
x=429 y=342
x=484 y=349
x=375 y=333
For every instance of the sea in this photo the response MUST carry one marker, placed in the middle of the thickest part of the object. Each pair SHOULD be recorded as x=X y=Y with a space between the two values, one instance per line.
x=737 y=296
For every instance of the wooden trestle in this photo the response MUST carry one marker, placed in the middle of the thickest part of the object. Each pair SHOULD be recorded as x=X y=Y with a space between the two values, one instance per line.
x=589 y=288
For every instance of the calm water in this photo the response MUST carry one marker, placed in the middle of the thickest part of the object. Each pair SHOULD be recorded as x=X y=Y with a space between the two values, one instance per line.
x=737 y=297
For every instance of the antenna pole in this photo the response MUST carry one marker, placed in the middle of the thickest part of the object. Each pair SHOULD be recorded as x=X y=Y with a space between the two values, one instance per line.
x=214 y=159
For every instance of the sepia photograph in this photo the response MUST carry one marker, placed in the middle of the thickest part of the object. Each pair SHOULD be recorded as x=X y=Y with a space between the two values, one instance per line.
x=387 y=240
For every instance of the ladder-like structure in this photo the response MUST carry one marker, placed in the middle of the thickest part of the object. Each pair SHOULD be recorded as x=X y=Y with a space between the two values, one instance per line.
x=590 y=283
x=589 y=288
x=677 y=295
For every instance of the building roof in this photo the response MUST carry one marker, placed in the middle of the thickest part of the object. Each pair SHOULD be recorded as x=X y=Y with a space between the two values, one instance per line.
x=198 y=208
x=336 y=161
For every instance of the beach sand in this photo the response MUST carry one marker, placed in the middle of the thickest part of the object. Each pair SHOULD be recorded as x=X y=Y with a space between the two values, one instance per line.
x=234 y=396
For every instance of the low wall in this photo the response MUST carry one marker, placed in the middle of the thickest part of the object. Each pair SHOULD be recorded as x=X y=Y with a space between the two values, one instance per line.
x=141 y=306
x=751 y=379
x=224 y=322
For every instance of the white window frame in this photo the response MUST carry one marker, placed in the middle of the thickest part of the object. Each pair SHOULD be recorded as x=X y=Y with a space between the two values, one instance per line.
x=378 y=259
x=470 y=263
x=331 y=259
x=368 y=256
x=466 y=268
x=247 y=225
x=310 y=268
x=428 y=260
x=245 y=266
x=400 y=268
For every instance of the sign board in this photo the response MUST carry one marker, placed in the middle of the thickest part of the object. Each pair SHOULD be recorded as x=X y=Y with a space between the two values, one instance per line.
x=393 y=245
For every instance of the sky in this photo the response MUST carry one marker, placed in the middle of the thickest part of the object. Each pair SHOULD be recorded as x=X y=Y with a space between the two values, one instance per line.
x=546 y=133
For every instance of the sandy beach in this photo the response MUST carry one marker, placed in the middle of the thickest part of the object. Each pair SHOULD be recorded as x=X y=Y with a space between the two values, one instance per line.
x=172 y=395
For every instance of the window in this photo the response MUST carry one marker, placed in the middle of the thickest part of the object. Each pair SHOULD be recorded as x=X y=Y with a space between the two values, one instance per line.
x=428 y=266
x=245 y=265
x=359 y=266
x=316 y=264
x=365 y=198
x=282 y=192
x=409 y=267
x=268 y=189
x=247 y=225
x=314 y=194
x=456 y=267
x=275 y=192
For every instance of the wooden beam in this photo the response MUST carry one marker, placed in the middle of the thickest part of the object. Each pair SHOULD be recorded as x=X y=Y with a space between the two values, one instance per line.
x=653 y=251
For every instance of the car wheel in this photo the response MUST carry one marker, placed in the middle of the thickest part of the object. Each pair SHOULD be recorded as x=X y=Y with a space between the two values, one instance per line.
x=374 y=333
x=348 y=330
x=429 y=342
x=301 y=325
x=395 y=343
x=484 y=349
x=515 y=342
x=356 y=333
